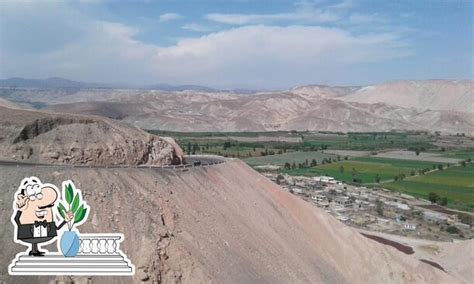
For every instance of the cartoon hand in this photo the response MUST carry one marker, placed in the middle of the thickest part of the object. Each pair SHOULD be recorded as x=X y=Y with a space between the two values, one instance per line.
x=68 y=216
x=22 y=202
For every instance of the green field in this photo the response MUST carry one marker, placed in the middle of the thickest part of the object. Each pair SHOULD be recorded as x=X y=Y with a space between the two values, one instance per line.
x=460 y=154
x=365 y=169
x=289 y=157
x=280 y=147
x=310 y=140
x=456 y=183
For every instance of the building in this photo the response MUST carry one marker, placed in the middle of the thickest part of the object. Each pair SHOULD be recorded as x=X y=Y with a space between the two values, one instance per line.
x=342 y=202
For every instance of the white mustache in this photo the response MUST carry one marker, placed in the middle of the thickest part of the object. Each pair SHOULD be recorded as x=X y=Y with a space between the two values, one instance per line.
x=40 y=213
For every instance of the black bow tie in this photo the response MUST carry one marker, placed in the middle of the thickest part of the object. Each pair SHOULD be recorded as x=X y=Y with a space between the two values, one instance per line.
x=40 y=223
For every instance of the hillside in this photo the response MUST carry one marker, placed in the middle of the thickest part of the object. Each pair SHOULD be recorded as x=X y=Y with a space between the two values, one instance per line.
x=435 y=105
x=187 y=111
x=432 y=94
x=225 y=223
x=73 y=139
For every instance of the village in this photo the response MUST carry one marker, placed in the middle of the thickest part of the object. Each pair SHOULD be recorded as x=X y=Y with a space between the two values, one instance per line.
x=379 y=210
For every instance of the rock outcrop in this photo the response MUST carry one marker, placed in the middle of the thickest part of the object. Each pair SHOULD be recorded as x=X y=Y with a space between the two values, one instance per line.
x=78 y=140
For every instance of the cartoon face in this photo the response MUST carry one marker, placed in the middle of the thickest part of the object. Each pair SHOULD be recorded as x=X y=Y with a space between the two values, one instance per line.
x=37 y=200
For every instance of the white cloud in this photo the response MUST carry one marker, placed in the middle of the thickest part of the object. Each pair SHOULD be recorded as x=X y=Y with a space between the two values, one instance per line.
x=169 y=17
x=75 y=46
x=281 y=55
x=197 y=27
x=299 y=16
x=346 y=4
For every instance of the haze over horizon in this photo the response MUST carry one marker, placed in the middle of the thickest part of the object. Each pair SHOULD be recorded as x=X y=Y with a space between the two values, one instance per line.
x=237 y=44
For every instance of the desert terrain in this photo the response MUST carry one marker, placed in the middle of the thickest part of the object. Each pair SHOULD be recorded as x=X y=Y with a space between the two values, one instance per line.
x=225 y=223
x=419 y=105
x=219 y=223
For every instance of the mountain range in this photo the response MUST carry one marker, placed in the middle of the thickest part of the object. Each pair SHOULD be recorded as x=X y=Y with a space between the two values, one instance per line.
x=435 y=105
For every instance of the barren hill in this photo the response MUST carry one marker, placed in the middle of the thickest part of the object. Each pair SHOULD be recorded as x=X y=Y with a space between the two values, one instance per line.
x=441 y=105
x=224 y=223
x=432 y=94
x=267 y=111
x=73 y=139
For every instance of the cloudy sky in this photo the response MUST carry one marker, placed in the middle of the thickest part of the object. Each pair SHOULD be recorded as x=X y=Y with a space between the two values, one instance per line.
x=237 y=43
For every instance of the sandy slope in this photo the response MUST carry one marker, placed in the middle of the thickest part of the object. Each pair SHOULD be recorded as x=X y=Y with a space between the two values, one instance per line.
x=430 y=94
x=225 y=224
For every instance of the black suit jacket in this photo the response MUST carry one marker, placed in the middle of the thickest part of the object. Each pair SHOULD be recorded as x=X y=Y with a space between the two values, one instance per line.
x=25 y=231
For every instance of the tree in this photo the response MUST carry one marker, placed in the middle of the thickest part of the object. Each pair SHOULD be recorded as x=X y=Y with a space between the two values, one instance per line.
x=287 y=166
x=196 y=148
x=293 y=166
x=433 y=197
x=463 y=164
x=466 y=219
x=452 y=230
x=443 y=201
x=189 y=148
x=440 y=167
x=377 y=178
x=341 y=169
x=417 y=152
x=227 y=144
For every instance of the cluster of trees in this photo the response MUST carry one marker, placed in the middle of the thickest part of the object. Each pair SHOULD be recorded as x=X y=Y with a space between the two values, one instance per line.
x=433 y=197
x=417 y=150
x=193 y=149
x=305 y=164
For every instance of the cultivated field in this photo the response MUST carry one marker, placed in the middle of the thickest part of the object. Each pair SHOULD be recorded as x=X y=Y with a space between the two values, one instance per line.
x=423 y=156
x=289 y=157
x=364 y=169
x=349 y=153
x=395 y=157
x=455 y=183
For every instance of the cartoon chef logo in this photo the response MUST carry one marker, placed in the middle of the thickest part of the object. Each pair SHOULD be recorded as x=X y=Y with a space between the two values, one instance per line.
x=33 y=214
x=40 y=214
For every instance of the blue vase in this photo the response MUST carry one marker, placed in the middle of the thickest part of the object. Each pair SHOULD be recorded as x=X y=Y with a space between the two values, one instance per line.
x=69 y=243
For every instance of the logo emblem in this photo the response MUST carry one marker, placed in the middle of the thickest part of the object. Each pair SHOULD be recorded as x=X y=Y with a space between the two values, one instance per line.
x=40 y=218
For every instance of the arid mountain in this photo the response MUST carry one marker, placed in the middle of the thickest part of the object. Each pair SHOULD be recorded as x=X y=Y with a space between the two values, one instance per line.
x=223 y=224
x=444 y=95
x=409 y=105
x=34 y=136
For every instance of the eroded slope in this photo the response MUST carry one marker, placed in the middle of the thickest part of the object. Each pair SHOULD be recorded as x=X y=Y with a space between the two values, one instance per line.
x=73 y=139
x=224 y=223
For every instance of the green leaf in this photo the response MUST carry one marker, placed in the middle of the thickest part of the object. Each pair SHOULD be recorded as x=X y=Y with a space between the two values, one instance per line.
x=69 y=193
x=75 y=203
x=61 y=209
x=80 y=214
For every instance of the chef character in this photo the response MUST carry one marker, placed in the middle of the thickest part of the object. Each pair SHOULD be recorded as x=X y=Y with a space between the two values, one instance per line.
x=34 y=213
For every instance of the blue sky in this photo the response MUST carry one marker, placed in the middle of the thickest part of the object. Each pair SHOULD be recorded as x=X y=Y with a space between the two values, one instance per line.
x=237 y=43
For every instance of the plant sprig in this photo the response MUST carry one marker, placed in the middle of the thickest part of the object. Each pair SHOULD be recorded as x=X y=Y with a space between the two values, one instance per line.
x=74 y=205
